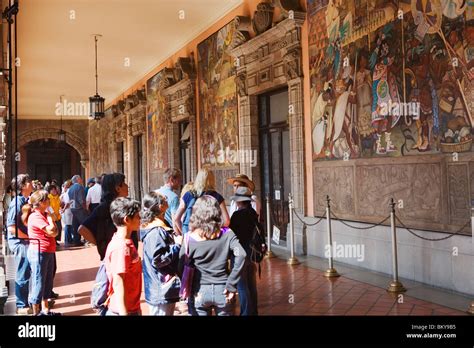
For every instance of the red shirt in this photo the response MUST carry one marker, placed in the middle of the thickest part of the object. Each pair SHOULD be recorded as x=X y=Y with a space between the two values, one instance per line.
x=122 y=257
x=36 y=223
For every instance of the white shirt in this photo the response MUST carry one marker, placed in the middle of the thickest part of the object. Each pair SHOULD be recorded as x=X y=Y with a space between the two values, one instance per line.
x=94 y=194
x=255 y=205
x=66 y=217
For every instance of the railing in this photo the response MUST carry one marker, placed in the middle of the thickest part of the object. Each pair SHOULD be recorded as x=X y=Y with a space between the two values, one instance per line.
x=395 y=286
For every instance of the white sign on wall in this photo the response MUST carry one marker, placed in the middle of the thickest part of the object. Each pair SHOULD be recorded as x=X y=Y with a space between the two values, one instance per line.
x=277 y=195
x=276 y=235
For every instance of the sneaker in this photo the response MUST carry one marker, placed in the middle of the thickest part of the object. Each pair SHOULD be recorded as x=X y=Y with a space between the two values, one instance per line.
x=54 y=295
x=24 y=311
x=51 y=302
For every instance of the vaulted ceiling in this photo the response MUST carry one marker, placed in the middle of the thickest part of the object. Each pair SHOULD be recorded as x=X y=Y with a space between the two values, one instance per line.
x=56 y=45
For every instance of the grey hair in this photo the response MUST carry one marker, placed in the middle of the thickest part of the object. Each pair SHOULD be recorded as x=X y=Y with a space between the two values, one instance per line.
x=75 y=179
x=206 y=216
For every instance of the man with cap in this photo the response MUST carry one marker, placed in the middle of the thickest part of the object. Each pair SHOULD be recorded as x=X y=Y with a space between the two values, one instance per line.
x=242 y=180
x=243 y=224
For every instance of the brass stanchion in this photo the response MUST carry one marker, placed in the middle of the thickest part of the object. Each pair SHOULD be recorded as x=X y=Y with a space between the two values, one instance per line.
x=292 y=260
x=331 y=271
x=269 y=253
x=395 y=285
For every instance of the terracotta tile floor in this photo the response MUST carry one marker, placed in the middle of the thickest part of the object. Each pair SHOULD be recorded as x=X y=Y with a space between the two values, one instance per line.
x=283 y=290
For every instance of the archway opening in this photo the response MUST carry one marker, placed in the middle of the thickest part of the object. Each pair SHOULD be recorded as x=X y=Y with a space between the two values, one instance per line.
x=48 y=159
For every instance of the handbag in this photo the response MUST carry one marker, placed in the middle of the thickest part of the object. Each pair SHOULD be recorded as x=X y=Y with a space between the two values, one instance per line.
x=188 y=274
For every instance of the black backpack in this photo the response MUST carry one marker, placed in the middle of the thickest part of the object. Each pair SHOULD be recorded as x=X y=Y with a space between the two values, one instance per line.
x=258 y=245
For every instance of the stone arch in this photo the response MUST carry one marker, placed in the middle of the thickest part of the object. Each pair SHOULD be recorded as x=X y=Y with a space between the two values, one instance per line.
x=53 y=133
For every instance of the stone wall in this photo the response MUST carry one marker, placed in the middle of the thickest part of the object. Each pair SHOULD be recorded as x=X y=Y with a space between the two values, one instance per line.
x=77 y=136
x=432 y=192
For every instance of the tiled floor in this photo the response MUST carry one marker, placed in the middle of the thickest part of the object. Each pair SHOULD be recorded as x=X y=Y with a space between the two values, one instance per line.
x=283 y=290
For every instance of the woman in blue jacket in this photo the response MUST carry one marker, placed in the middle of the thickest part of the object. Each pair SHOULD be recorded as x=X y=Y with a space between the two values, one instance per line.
x=160 y=256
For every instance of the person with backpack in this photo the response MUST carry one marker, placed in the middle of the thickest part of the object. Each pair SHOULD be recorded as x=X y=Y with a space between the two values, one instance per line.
x=207 y=249
x=160 y=256
x=242 y=180
x=205 y=184
x=244 y=223
x=122 y=263
x=42 y=231
x=17 y=234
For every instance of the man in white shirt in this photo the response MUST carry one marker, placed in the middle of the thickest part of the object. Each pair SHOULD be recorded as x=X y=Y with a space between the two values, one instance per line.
x=93 y=195
x=242 y=180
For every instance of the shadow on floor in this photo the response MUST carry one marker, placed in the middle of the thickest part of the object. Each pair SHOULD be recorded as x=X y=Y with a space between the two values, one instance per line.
x=75 y=276
x=73 y=302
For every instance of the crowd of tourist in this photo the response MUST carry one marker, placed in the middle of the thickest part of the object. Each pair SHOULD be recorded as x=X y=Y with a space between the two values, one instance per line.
x=197 y=258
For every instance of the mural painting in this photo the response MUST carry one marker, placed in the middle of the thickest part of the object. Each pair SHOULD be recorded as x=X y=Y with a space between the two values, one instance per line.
x=157 y=125
x=101 y=146
x=218 y=99
x=391 y=77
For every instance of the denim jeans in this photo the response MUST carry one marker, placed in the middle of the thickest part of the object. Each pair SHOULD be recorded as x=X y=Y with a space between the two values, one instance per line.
x=19 y=247
x=78 y=217
x=209 y=296
x=163 y=309
x=42 y=273
x=59 y=227
x=247 y=288
x=68 y=237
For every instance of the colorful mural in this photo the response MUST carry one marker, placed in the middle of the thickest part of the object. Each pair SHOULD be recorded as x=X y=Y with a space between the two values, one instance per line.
x=218 y=99
x=391 y=77
x=101 y=146
x=157 y=125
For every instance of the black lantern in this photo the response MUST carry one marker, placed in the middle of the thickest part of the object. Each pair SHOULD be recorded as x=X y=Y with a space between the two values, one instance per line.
x=62 y=136
x=97 y=103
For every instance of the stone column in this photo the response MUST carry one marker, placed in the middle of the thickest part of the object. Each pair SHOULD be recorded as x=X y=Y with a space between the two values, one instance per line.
x=248 y=139
x=295 y=95
x=173 y=144
x=193 y=145
x=296 y=119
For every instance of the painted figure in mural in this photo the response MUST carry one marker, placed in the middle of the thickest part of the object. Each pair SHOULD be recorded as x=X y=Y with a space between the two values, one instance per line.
x=384 y=91
x=424 y=93
x=364 y=101
x=343 y=116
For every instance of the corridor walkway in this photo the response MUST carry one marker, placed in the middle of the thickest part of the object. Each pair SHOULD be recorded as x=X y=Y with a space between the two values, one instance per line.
x=283 y=290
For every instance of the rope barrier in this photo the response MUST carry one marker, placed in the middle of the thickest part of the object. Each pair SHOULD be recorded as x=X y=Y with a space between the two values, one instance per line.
x=308 y=224
x=357 y=227
x=374 y=225
x=432 y=239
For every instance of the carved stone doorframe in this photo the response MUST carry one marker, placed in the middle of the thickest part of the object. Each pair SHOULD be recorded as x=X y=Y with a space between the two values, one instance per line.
x=269 y=61
x=180 y=99
x=136 y=124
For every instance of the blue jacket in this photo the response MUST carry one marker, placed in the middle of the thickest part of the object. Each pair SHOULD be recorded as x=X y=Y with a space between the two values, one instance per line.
x=160 y=266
